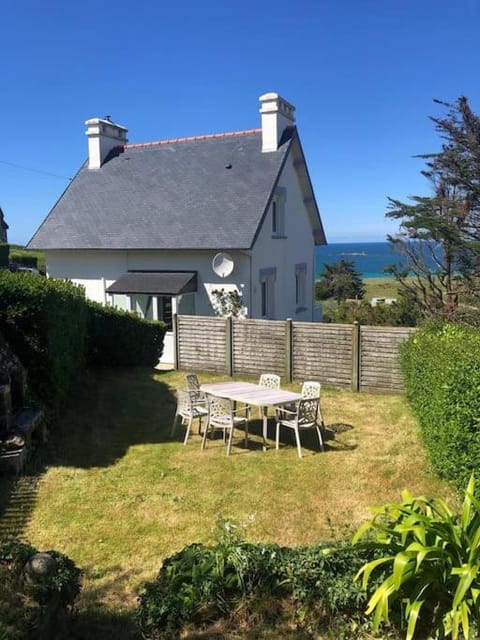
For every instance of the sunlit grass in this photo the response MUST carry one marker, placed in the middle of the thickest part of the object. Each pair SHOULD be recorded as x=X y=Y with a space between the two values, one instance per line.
x=118 y=496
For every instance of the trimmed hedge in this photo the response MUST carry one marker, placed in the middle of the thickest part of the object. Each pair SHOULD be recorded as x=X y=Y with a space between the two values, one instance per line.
x=441 y=365
x=119 y=338
x=44 y=321
x=55 y=332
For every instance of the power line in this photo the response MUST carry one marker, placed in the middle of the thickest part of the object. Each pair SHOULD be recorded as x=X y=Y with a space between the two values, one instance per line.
x=46 y=173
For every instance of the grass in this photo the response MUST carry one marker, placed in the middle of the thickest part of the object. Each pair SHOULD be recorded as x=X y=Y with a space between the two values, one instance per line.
x=117 y=495
x=380 y=288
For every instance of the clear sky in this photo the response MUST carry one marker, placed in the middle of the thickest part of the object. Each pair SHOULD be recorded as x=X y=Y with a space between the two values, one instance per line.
x=361 y=73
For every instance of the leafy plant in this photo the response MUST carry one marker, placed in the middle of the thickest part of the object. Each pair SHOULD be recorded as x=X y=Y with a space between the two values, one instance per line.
x=227 y=303
x=434 y=559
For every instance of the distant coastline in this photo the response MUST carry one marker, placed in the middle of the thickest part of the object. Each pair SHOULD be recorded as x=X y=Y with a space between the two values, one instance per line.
x=369 y=258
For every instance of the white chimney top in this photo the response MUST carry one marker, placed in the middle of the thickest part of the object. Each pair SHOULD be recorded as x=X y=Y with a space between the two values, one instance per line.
x=103 y=135
x=277 y=115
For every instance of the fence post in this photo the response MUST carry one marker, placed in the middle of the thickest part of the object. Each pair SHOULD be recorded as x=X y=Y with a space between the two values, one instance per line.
x=356 y=356
x=228 y=346
x=175 y=340
x=288 y=350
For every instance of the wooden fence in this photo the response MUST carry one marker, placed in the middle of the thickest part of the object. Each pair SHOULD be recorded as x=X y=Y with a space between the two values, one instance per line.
x=338 y=355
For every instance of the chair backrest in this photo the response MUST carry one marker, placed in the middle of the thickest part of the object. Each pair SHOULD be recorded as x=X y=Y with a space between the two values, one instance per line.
x=184 y=403
x=220 y=410
x=311 y=389
x=269 y=380
x=193 y=386
x=307 y=411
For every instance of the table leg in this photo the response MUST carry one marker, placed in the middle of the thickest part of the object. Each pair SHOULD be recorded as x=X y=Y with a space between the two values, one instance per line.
x=265 y=422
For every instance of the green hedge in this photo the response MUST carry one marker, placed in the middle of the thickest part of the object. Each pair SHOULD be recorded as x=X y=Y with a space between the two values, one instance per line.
x=119 y=338
x=44 y=321
x=442 y=378
x=55 y=332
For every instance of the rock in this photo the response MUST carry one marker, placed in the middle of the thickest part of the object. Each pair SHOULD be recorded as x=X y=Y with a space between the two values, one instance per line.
x=39 y=565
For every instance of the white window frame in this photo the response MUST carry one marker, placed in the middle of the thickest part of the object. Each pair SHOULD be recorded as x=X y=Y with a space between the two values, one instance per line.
x=267 y=279
x=278 y=212
x=301 y=286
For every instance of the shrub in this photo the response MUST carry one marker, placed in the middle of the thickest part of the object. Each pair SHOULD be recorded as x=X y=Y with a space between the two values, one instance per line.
x=43 y=320
x=202 y=584
x=27 y=257
x=34 y=606
x=119 y=338
x=433 y=557
x=441 y=364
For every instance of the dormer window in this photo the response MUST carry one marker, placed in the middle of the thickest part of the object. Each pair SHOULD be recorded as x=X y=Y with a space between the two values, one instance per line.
x=278 y=213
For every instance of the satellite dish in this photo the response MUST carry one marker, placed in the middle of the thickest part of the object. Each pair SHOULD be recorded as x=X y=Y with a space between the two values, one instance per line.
x=222 y=265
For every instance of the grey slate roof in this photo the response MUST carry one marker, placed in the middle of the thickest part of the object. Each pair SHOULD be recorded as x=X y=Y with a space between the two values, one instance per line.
x=178 y=195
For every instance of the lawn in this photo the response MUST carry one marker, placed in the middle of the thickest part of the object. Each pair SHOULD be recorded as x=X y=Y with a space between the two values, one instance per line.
x=116 y=494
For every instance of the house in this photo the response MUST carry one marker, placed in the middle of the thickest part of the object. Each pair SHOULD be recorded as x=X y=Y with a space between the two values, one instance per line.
x=158 y=227
x=3 y=228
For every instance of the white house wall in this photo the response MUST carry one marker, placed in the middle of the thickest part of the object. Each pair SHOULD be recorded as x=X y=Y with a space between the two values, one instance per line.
x=97 y=270
x=283 y=254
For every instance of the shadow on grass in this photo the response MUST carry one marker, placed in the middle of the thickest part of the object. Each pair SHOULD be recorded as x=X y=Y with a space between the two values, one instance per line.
x=110 y=411
x=113 y=410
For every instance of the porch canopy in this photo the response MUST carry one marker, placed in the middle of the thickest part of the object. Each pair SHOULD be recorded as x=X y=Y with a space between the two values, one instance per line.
x=157 y=283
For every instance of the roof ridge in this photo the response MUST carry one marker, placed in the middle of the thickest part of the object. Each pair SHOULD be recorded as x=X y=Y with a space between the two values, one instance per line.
x=158 y=143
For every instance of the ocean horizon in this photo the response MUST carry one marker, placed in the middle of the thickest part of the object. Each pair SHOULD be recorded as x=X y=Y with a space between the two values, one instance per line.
x=369 y=258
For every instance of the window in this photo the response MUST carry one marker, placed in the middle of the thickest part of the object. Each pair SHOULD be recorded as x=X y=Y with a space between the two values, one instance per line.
x=278 y=212
x=267 y=292
x=301 y=286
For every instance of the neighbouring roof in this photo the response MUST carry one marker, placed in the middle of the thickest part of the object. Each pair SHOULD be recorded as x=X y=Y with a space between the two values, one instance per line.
x=155 y=282
x=206 y=192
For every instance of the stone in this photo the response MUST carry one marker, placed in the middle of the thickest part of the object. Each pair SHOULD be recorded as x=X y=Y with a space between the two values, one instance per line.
x=38 y=566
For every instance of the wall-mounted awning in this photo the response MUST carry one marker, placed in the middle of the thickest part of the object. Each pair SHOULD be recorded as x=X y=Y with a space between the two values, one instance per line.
x=160 y=283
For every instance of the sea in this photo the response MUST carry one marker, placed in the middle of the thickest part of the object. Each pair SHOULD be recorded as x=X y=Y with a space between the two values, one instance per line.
x=369 y=258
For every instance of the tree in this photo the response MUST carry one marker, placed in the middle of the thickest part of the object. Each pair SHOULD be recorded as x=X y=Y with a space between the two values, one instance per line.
x=340 y=280
x=439 y=235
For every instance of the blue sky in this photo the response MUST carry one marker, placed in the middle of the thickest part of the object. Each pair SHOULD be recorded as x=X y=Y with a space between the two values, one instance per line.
x=362 y=75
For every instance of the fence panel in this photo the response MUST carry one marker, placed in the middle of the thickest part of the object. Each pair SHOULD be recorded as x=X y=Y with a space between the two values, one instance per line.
x=338 y=355
x=258 y=347
x=322 y=352
x=379 y=362
x=201 y=343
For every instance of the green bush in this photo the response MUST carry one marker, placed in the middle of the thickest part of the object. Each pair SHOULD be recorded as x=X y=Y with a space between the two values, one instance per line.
x=34 y=609
x=441 y=365
x=44 y=322
x=313 y=586
x=27 y=257
x=119 y=338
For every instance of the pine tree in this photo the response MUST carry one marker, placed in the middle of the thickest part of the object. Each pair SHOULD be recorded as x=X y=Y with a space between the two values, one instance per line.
x=342 y=281
x=439 y=235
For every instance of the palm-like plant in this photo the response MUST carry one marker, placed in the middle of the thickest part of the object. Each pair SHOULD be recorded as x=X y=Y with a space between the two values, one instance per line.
x=433 y=558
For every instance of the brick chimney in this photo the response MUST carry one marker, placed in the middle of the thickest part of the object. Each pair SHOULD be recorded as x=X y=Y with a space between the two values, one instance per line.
x=103 y=135
x=277 y=115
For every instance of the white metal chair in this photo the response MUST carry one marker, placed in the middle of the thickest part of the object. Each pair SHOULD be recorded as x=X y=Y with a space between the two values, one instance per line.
x=222 y=416
x=188 y=410
x=269 y=380
x=310 y=390
x=304 y=417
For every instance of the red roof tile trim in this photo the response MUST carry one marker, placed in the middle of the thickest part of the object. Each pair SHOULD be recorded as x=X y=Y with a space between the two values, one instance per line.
x=230 y=134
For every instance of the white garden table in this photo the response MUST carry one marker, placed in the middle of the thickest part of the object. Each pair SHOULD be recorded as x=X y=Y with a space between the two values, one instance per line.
x=254 y=395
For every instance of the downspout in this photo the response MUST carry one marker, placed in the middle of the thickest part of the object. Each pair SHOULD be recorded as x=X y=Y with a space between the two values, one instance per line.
x=250 y=303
